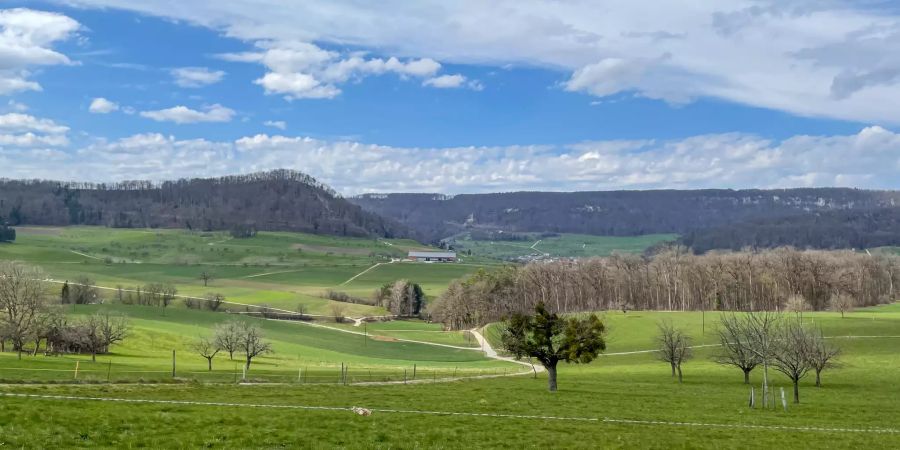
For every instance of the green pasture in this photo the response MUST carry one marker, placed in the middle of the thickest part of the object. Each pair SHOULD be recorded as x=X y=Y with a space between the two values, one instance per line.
x=564 y=245
x=278 y=269
x=630 y=399
x=316 y=348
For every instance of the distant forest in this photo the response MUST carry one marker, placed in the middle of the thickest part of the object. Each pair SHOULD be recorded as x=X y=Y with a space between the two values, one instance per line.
x=278 y=200
x=806 y=218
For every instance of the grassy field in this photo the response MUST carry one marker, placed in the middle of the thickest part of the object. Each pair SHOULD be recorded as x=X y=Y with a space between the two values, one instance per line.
x=281 y=270
x=563 y=245
x=622 y=400
x=318 y=350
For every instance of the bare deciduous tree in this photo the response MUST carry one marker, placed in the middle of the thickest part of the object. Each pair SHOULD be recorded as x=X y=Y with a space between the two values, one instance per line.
x=841 y=303
x=252 y=343
x=206 y=348
x=100 y=331
x=206 y=276
x=734 y=337
x=214 y=301
x=674 y=346
x=761 y=328
x=793 y=355
x=821 y=355
x=228 y=337
x=22 y=302
x=337 y=311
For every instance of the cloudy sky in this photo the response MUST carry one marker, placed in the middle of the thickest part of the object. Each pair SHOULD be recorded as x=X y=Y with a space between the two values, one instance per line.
x=461 y=96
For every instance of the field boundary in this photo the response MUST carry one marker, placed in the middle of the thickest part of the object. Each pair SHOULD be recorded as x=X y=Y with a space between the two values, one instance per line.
x=352 y=410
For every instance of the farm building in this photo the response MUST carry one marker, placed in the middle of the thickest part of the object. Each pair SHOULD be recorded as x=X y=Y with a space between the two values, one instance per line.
x=432 y=256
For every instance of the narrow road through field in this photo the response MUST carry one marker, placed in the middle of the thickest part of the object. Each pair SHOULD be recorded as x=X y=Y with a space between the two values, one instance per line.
x=363 y=272
x=84 y=254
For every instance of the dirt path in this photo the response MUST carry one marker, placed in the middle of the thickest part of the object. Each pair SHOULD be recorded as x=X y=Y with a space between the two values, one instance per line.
x=85 y=255
x=363 y=272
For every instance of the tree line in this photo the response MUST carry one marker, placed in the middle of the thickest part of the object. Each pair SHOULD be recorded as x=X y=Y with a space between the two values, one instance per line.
x=630 y=213
x=278 y=200
x=28 y=316
x=674 y=280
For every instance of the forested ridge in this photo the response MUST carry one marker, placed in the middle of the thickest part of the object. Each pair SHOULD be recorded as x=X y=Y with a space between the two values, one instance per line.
x=710 y=218
x=277 y=200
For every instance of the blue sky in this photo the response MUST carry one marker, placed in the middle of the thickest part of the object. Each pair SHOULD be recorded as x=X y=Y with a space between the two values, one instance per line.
x=467 y=97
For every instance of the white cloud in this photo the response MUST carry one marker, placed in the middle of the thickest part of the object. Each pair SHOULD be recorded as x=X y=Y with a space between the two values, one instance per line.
x=22 y=130
x=303 y=70
x=453 y=81
x=17 y=106
x=101 y=105
x=26 y=38
x=280 y=124
x=23 y=122
x=194 y=77
x=182 y=114
x=835 y=59
x=868 y=159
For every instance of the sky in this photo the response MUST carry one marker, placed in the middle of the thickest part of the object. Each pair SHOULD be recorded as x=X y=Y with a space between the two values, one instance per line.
x=455 y=97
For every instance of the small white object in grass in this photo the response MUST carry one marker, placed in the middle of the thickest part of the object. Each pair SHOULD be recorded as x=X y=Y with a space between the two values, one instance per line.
x=361 y=411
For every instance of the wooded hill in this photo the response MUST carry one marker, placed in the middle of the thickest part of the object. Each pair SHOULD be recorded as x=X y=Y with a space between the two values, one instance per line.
x=811 y=217
x=277 y=200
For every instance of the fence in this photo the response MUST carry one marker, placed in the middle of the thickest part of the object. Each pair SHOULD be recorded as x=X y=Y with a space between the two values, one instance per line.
x=227 y=371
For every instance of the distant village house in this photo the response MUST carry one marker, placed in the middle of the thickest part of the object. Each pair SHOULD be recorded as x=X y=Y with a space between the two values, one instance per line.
x=432 y=256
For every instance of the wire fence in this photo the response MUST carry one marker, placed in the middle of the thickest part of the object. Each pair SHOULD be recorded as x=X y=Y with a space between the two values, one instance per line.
x=73 y=372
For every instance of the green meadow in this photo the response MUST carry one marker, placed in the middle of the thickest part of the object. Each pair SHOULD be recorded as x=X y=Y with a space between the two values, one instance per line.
x=426 y=387
x=621 y=400
x=563 y=245
x=280 y=270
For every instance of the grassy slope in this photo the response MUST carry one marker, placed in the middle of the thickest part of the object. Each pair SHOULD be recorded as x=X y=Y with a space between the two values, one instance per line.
x=565 y=245
x=147 y=352
x=860 y=394
x=282 y=270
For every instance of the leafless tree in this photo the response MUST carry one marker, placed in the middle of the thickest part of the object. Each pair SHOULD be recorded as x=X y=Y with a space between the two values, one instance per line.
x=214 y=301
x=168 y=295
x=83 y=291
x=337 y=311
x=736 y=345
x=797 y=304
x=762 y=331
x=228 y=337
x=841 y=303
x=792 y=357
x=821 y=355
x=206 y=276
x=100 y=331
x=674 y=346
x=252 y=344
x=22 y=302
x=206 y=348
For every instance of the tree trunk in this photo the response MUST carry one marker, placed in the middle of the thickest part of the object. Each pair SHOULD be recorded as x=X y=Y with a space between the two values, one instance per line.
x=746 y=376
x=818 y=378
x=248 y=363
x=679 y=373
x=796 y=391
x=231 y=355
x=94 y=356
x=551 y=378
x=673 y=369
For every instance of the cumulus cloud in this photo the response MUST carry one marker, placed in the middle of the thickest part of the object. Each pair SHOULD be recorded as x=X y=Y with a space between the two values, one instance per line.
x=869 y=159
x=195 y=77
x=784 y=55
x=26 y=41
x=453 y=81
x=23 y=130
x=101 y=105
x=280 y=124
x=182 y=114
x=303 y=70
